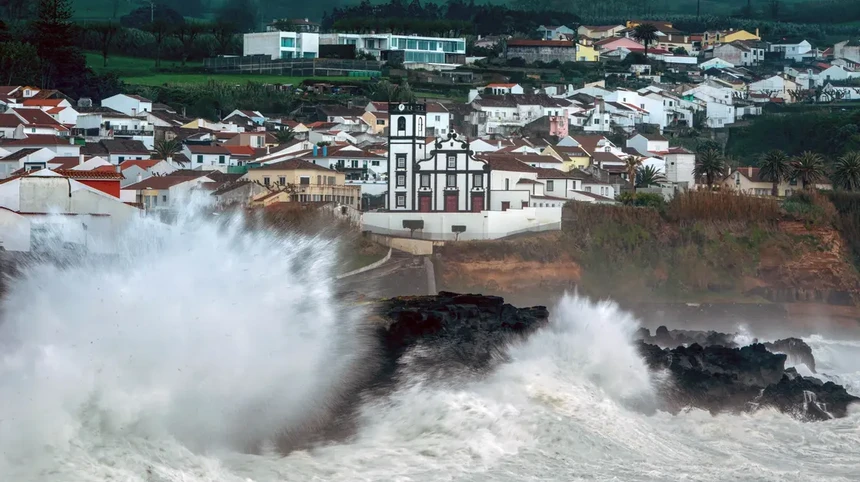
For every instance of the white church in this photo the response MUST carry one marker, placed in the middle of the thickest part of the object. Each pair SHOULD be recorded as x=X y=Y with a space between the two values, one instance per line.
x=447 y=179
x=444 y=194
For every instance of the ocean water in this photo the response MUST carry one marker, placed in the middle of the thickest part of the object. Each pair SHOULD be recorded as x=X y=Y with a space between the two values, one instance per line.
x=185 y=360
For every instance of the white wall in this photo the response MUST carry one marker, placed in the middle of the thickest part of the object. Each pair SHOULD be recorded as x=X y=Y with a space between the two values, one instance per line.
x=484 y=225
x=14 y=231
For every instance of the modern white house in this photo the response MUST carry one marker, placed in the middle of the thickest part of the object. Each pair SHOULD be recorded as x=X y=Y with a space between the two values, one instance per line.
x=416 y=50
x=282 y=45
x=133 y=105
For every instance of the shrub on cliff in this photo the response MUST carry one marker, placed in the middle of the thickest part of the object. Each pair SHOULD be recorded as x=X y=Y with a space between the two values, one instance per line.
x=699 y=206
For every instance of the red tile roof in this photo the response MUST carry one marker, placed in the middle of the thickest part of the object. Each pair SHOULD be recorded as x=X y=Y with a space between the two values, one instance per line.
x=37 y=117
x=9 y=121
x=142 y=163
x=502 y=86
x=42 y=102
x=99 y=175
x=36 y=140
x=216 y=150
x=247 y=151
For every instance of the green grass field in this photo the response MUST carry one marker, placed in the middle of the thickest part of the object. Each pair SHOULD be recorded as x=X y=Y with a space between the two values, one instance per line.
x=138 y=71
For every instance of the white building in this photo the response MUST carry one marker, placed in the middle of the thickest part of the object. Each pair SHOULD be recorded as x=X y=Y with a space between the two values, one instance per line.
x=406 y=145
x=679 y=167
x=89 y=219
x=208 y=157
x=649 y=144
x=133 y=105
x=796 y=52
x=282 y=45
x=416 y=50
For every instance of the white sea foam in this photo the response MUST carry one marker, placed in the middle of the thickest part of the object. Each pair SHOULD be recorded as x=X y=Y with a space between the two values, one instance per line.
x=161 y=367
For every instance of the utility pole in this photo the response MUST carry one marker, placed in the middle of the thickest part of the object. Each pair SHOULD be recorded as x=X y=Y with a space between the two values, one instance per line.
x=151 y=11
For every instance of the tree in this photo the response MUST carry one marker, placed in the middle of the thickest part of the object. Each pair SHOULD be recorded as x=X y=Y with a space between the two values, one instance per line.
x=52 y=34
x=285 y=135
x=224 y=31
x=19 y=64
x=241 y=13
x=107 y=32
x=160 y=30
x=649 y=176
x=776 y=168
x=187 y=33
x=645 y=33
x=632 y=163
x=846 y=172
x=16 y=10
x=809 y=168
x=710 y=166
x=167 y=148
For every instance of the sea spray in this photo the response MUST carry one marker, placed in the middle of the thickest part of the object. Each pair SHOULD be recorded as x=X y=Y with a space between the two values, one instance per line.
x=201 y=331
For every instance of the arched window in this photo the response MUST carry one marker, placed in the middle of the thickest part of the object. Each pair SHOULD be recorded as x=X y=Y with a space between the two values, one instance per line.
x=401 y=124
x=420 y=126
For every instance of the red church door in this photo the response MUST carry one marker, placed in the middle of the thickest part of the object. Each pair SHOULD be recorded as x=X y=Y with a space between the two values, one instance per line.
x=477 y=204
x=424 y=203
x=451 y=202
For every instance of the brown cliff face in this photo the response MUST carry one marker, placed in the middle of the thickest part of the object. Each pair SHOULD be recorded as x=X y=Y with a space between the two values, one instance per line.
x=788 y=264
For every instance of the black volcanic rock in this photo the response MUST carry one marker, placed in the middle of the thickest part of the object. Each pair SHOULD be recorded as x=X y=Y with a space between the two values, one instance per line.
x=666 y=338
x=796 y=349
x=719 y=378
x=468 y=330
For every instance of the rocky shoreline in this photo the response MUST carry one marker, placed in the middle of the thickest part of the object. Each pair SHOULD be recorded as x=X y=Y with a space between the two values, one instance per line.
x=708 y=369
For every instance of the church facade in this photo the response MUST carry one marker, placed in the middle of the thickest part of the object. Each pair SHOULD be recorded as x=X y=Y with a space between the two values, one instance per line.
x=448 y=178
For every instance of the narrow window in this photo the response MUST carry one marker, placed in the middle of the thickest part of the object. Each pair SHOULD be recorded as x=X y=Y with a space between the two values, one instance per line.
x=452 y=180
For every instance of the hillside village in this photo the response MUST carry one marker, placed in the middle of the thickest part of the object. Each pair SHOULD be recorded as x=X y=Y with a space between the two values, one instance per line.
x=503 y=162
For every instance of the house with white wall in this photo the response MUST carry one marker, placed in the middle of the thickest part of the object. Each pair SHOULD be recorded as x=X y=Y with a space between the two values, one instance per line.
x=282 y=45
x=62 y=146
x=438 y=119
x=136 y=171
x=796 y=52
x=649 y=144
x=208 y=157
x=133 y=105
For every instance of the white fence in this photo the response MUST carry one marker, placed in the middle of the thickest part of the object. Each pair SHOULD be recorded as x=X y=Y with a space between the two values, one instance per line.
x=472 y=226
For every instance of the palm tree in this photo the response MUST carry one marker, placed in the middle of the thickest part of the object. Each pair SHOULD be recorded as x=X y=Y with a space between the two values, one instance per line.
x=709 y=165
x=808 y=167
x=645 y=33
x=167 y=148
x=846 y=172
x=775 y=167
x=649 y=176
x=632 y=163
x=285 y=135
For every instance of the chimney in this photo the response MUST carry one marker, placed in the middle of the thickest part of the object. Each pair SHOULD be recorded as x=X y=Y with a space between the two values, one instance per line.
x=80 y=159
x=756 y=33
x=71 y=141
x=119 y=168
x=749 y=172
x=139 y=177
x=268 y=149
x=169 y=159
x=499 y=144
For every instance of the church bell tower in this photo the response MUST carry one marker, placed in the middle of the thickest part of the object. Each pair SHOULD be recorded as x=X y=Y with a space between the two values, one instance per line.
x=407 y=127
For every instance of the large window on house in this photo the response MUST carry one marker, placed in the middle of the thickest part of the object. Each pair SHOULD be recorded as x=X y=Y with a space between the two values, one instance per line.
x=282 y=181
x=425 y=181
x=331 y=180
x=401 y=161
x=401 y=180
x=401 y=124
x=478 y=180
x=222 y=159
x=199 y=159
x=266 y=181
x=401 y=200
x=451 y=180
x=305 y=181
x=452 y=161
x=288 y=42
x=374 y=163
x=549 y=186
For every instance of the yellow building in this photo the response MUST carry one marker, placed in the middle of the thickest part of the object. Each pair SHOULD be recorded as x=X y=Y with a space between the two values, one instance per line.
x=304 y=181
x=715 y=37
x=571 y=157
x=378 y=121
x=584 y=53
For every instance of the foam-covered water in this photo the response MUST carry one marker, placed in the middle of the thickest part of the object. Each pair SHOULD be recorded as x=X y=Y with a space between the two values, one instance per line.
x=206 y=340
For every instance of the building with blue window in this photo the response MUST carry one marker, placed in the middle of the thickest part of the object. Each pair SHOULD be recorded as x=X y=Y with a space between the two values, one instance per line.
x=409 y=49
x=282 y=45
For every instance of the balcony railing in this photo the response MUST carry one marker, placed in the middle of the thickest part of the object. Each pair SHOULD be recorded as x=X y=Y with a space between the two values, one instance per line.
x=131 y=132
